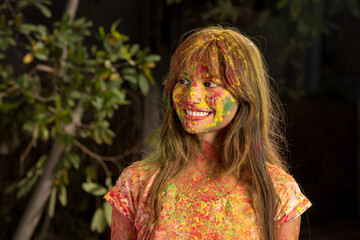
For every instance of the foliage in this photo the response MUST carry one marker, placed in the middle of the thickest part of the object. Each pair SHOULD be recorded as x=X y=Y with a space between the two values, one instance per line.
x=59 y=75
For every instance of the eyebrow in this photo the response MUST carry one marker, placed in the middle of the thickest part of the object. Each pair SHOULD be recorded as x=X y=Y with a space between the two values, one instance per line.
x=211 y=78
x=206 y=76
x=184 y=75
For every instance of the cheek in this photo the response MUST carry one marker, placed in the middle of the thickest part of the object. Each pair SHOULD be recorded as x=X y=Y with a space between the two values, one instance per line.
x=213 y=98
x=219 y=99
x=230 y=104
x=222 y=102
x=178 y=95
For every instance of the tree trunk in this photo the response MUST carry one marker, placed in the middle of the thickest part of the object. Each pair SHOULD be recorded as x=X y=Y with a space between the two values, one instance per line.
x=39 y=197
x=71 y=8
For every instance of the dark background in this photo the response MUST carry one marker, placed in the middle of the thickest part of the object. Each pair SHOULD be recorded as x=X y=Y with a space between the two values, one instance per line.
x=318 y=84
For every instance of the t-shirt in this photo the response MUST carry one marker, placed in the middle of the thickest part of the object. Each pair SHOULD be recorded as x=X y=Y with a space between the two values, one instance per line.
x=232 y=216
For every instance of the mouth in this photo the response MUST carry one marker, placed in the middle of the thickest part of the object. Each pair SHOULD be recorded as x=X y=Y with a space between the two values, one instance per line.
x=196 y=115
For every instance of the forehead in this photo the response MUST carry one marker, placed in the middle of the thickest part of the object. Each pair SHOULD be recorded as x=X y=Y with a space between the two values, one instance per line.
x=201 y=58
x=200 y=71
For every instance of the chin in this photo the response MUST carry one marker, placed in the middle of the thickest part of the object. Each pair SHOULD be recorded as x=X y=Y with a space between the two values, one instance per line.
x=196 y=131
x=191 y=131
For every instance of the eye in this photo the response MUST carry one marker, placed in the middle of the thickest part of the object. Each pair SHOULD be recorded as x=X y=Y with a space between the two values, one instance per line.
x=183 y=81
x=210 y=84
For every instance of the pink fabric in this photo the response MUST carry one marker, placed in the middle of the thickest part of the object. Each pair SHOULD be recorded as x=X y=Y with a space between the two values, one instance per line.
x=229 y=217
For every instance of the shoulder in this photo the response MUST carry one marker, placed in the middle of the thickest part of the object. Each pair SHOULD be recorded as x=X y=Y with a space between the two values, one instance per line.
x=284 y=183
x=134 y=174
x=292 y=201
x=136 y=169
x=132 y=181
x=281 y=179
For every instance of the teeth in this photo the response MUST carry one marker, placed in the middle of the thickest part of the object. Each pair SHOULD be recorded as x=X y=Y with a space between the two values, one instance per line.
x=198 y=114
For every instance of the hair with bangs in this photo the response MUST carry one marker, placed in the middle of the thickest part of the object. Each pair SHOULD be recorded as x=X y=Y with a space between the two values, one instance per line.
x=251 y=140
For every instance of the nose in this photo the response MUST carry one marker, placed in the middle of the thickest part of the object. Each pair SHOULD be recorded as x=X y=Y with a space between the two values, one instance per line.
x=194 y=94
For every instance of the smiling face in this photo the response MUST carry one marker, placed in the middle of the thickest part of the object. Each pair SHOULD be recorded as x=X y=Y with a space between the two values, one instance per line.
x=202 y=104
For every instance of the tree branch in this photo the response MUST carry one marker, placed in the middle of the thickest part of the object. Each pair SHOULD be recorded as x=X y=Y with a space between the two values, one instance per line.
x=98 y=158
x=102 y=159
x=9 y=90
x=24 y=154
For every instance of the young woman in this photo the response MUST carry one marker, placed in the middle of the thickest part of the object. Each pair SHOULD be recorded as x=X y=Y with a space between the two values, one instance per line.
x=217 y=172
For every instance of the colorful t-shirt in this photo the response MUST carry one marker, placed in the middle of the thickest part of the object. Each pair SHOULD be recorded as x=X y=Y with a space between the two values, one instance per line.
x=231 y=216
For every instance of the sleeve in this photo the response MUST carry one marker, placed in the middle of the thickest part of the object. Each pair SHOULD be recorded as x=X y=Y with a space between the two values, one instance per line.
x=292 y=201
x=121 y=226
x=124 y=194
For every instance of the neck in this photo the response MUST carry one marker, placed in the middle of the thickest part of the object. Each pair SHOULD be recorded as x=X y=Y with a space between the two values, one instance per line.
x=208 y=154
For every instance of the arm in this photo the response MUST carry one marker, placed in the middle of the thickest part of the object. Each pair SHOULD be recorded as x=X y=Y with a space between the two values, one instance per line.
x=289 y=230
x=121 y=227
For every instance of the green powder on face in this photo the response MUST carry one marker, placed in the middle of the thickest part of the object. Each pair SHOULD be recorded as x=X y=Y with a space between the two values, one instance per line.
x=227 y=105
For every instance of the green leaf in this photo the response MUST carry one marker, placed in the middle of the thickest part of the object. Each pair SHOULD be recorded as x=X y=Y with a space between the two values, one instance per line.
x=90 y=173
x=75 y=160
x=41 y=161
x=68 y=139
x=44 y=133
x=114 y=26
x=42 y=30
x=28 y=185
x=73 y=38
x=62 y=195
x=63 y=163
x=23 y=181
x=75 y=94
x=98 y=223
x=131 y=78
x=101 y=32
x=65 y=177
x=94 y=188
x=44 y=10
x=134 y=49
x=5 y=107
x=100 y=53
x=105 y=136
x=143 y=84
x=147 y=73
x=41 y=55
x=79 y=22
x=96 y=136
x=108 y=182
x=107 y=212
x=128 y=70
x=26 y=28
x=52 y=201
x=97 y=102
x=119 y=95
x=152 y=58
x=21 y=4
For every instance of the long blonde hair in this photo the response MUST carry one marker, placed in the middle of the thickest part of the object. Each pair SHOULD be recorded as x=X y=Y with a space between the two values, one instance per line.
x=251 y=140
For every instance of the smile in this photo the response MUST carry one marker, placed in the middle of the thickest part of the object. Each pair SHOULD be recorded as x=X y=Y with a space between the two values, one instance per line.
x=198 y=114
